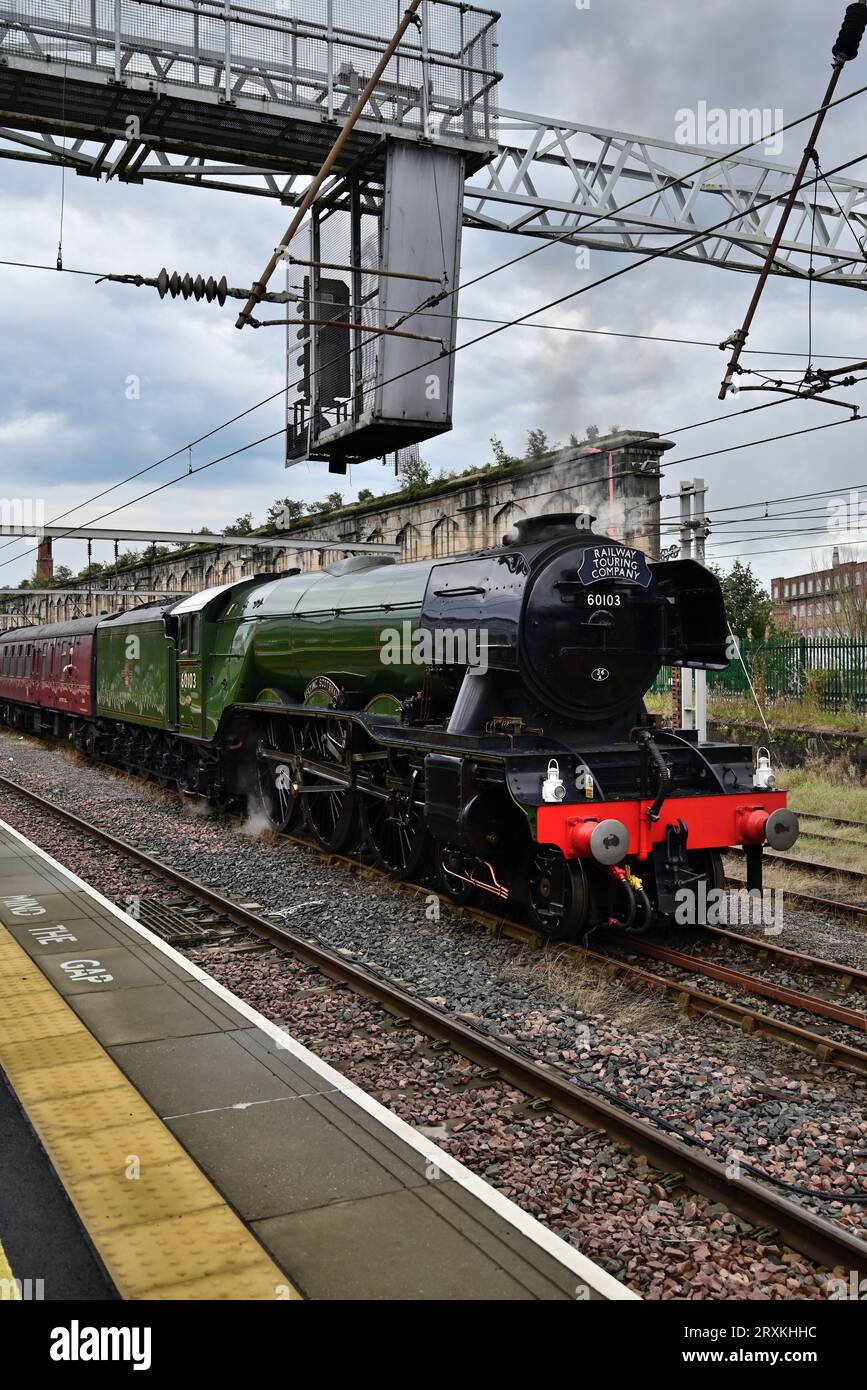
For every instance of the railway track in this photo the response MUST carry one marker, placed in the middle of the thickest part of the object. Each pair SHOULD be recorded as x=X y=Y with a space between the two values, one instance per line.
x=833 y=820
x=685 y=1159
x=855 y=913
x=798 y=1000
x=857 y=876
x=818 y=835
x=690 y=999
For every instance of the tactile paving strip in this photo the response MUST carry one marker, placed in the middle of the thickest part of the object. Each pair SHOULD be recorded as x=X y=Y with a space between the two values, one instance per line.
x=160 y=1227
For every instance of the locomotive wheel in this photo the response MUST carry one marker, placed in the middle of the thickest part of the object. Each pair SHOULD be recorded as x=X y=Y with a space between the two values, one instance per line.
x=557 y=895
x=187 y=778
x=393 y=830
x=278 y=800
x=330 y=816
x=710 y=863
x=451 y=864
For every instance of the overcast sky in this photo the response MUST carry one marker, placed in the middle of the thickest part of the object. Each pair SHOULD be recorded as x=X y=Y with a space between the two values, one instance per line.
x=67 y=347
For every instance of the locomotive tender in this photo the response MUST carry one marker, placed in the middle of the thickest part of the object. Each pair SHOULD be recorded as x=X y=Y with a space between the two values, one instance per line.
x=486 y=710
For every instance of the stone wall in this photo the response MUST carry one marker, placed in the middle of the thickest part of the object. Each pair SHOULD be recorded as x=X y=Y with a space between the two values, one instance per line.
x=616 y=479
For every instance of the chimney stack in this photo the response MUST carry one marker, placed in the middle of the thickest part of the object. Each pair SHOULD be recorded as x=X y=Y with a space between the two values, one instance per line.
x=45 y=560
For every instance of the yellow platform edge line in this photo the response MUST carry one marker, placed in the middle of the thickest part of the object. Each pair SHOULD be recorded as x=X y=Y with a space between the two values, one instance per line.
x=151 y=1246
x=9 y=1291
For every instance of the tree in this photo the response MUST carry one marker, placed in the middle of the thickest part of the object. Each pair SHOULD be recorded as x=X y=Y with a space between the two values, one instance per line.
x=574 y=441
x=366 y=495
x=848 y=612
x=785 y=631
x=501 y=458
x=132 y=557
x=415 y=475
x=748 y=605
x=332 y=503
x=62 y=574
x=613 y=429
x=592 y=433
x=284 y=507
x=242 y=527
x=537 y=445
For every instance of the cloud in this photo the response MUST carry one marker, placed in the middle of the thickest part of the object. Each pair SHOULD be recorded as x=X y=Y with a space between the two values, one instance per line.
x=39 y=427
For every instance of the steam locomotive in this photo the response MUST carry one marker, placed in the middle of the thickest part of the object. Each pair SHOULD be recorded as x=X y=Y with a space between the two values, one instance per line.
x=482 y=716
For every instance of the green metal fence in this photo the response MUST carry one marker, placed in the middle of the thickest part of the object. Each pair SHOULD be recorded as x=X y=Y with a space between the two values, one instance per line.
x=829 y=672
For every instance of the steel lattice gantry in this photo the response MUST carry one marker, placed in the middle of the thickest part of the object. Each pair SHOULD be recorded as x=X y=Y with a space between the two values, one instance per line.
x=213 y=94
x=163 y=84
x=570 y=181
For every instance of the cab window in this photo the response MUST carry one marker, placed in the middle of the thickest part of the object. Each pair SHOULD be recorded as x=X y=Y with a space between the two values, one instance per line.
x=189 y=634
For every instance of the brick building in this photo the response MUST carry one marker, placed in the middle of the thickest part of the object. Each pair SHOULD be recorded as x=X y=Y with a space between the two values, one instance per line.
x=814 y=602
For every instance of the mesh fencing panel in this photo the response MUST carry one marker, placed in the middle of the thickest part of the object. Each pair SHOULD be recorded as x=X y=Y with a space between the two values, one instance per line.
x=315 y=54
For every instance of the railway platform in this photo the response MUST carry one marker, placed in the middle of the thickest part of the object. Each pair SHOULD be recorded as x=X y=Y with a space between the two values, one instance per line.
x=204 y=1152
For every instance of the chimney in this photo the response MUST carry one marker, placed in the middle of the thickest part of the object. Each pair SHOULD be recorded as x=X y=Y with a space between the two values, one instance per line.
x=44 y=560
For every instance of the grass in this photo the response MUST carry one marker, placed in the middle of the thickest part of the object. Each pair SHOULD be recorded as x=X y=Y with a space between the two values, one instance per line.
x=845 y=853
x=826 y=788
x=780 y=714
x=583 y=987
x=778 y=874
